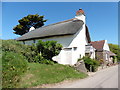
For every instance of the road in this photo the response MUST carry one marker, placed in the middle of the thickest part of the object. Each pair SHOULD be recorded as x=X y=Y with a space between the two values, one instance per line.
x=105 y=78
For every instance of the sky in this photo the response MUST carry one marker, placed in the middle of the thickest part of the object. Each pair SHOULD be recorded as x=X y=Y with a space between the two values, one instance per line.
x=101 y=17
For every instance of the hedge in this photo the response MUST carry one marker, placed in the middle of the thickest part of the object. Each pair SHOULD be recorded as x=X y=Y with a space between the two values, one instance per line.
x=13 y=66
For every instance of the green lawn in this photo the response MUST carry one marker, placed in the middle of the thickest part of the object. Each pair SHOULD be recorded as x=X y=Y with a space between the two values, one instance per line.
x=39 y=74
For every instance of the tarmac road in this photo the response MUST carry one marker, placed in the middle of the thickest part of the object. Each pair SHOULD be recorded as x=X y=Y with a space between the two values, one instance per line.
x=105 y=78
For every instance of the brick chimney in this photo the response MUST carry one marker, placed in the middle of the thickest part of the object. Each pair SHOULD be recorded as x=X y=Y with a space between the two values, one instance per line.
x=80 y=15
x=79 y=12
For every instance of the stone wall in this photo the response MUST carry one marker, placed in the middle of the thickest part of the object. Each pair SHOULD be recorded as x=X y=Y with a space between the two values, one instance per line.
x=99 y=55
x=80 y=66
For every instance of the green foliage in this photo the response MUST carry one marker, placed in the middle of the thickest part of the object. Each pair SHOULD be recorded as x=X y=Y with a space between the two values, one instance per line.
x=14 y=46
x=48 y=49
x=115 y=49
x=13 y=66
x=39 y=74
x=91 y=64
x=114 y=59
x=80 y=59
x=14 y=63
x=32 y=52
x=102 y=61
x=40 y=59
x=26 y=22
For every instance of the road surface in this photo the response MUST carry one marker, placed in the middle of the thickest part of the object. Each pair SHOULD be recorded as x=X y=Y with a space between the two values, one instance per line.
x=105 y=78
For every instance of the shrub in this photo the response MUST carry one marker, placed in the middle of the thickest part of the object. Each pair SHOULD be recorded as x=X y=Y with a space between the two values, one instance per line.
x=91 y=64
x=115 y=49
x=26 y=50
x=13 y=66
x=101 y=61
x=48 y=49
x=114 y=59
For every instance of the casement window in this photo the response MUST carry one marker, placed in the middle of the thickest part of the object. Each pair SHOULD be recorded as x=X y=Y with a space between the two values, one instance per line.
x=33 y=41
x=23 y=42
x=74 y=48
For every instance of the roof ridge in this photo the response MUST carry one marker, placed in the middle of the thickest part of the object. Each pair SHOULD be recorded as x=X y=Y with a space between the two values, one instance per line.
x=98 y=41
x=61 y=22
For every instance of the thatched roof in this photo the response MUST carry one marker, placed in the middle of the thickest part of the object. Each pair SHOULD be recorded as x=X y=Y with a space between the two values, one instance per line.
x=68 y=27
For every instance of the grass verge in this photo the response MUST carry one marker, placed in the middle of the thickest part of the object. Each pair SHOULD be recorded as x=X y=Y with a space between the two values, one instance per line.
x=39 y=74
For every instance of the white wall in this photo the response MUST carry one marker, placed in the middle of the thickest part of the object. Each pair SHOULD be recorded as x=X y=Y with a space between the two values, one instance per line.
x=93 y=55
x=91 y=51
x=29 y=42
x=81 y=17
x=106 y=46
x=79 y=41
x=64 y=40
x=64 y=57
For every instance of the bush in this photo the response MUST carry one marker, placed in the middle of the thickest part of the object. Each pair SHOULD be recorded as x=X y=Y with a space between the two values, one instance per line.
x=26 y=50
x=42 y=60
x=91 y=64
x=13 y=66
x=114 y=59
x=48 y=49
x=115 y=49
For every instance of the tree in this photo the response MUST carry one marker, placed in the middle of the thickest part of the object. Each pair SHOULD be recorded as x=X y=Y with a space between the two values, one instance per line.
x=115 y=49
x=27 y=22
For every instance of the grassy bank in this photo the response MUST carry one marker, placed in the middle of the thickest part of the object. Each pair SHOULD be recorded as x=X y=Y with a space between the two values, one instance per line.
x=39 y=74
x=22 y=66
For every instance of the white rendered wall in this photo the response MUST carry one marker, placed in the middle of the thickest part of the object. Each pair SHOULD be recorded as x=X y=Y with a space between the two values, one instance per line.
x=64 y=40
x=29 y=42
x=79 y=41
x=81 y=17
x=93 y=55
x=64 y=57
x=106 y=46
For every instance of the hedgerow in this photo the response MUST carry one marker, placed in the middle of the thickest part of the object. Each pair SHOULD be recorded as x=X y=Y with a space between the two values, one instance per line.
x=26 y=50
x=13 y=66
x=16 y=55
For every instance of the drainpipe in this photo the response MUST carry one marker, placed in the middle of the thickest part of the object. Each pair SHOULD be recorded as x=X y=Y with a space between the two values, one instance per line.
x=72 y=55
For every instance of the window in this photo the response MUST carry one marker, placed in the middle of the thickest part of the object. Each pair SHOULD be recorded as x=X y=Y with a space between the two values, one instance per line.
x=74 y=48
x=33 y=41
x=80 y=55
x=67 y=48
x=23 y=42
x=87 y=54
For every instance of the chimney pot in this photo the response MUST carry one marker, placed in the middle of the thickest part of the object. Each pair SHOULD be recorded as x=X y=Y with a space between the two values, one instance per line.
x=80 y=11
